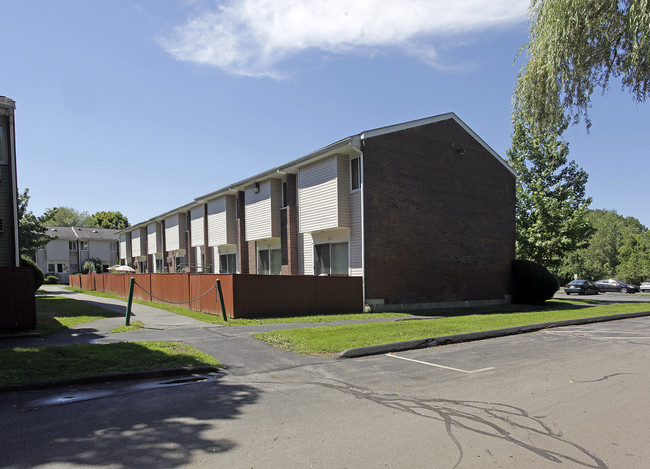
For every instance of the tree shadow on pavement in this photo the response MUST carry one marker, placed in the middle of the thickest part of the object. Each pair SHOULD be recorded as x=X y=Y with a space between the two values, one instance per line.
x=122 y=425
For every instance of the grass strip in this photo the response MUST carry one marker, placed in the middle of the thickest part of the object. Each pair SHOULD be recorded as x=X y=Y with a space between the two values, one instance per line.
x=217 y=319
x=329 y=340
x=32 y=365
x=135 y=325
x=55 y=313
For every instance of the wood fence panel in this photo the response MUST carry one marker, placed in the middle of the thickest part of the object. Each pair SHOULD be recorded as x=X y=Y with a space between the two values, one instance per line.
x=17 y=303
x=117 y=283
x=99 y=282
x=174 y=288
x=87 y=282
x=141 y=291
x=200 y=283
x=75 y=281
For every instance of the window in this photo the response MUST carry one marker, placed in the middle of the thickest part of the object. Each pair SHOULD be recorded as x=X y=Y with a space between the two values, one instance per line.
x=72 y=245
x=104 y=268
x=113 y=247
x=57 y=268
x=355 y=173
x=227 y=263
x=159 y=265
x=270 y=262
x=83 y=245
x=331 y=259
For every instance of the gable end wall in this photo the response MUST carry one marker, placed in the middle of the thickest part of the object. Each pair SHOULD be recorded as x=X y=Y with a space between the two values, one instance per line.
x=438 y=226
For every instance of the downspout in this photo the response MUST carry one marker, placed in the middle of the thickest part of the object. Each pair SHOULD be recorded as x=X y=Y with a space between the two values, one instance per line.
x=355 y=144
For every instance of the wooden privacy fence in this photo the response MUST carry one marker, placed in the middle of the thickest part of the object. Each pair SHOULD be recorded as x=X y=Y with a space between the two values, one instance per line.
x=17 y=303
x=244 y=295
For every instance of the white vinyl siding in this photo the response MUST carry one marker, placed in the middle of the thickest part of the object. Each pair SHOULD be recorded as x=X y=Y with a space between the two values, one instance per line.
x=136 y=246
x=197 y=226
x=263 y=210
x=222 y=221
x=356 y=264
x=172 y=233
x=125 y=246
x=305 y=254
x=323 y=195
x=154 y=244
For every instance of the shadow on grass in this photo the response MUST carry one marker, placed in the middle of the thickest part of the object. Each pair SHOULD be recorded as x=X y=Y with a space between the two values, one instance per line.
x=55 y=313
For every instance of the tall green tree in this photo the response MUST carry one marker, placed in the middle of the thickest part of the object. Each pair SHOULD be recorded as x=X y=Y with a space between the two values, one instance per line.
x=32 y=234
x=68 y=216
x=634 y=266
x=604 y=253
x=551 y=201
x=114 y=220
x=577 y=46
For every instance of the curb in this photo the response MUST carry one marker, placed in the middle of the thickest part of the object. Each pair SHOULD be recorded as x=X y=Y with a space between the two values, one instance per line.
x=472 y=336
x=131 y=375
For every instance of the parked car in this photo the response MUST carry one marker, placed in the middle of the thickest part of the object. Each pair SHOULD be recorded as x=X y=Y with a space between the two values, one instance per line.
x=645 y=286
x=615 y=285
x=581 y=287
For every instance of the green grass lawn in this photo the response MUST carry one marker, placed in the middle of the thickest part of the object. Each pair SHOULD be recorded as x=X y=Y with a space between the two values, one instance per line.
x=329 y=340
x=30 y=365
x=55 y=313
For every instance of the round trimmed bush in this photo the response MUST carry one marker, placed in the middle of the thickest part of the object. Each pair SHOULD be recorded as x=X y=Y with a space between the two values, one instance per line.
x=533 y=283
x=51 y=280
x=38 y=273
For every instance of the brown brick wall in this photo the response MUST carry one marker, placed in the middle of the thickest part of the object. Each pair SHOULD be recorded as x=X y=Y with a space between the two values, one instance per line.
x=242 y=244
x=289 y=229
x=439 y=226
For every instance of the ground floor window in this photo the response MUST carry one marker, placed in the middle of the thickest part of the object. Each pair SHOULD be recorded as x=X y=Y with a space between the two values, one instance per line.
x=227 y=263
x=59 y=268
x=142 y=266
x=159 y=265
x=331 y=259
x=269 y=262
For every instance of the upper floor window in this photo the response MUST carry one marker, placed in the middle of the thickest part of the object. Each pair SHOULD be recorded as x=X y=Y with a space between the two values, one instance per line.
x=83 y=245
x=72 y=245
x=284 y=194
x=355 y=173
x=113 y=246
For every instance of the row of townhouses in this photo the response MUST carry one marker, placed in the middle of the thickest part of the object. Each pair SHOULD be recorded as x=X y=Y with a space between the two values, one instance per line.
x=424 y=211
x=73 y=246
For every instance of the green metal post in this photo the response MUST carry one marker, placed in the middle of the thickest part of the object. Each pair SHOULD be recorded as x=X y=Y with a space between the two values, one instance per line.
x=223 y=306
x=127 y=319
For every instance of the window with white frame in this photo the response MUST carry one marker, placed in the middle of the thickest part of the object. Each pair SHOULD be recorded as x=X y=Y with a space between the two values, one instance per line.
x=355 y=173
x=227 y=263
x=57 y=268
x=269 y=262
x=83 y=245
x=331 y=259
x=72 y=245
x=113 y=246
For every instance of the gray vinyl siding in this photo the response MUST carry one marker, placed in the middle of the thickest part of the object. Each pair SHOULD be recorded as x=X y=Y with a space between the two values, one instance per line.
x=172 y=233
x=356 y=252
x=222 y=222
x=197 y=226
x=263 y=210
x=323 y=195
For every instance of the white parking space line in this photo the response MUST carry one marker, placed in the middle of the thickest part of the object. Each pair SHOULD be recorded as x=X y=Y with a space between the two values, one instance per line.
x=439 y=366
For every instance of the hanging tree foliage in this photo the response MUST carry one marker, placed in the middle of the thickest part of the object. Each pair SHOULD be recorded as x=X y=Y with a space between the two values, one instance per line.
x=577 y=46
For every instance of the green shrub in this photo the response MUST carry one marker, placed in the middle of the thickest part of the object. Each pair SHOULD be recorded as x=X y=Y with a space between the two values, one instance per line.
x=51 y=280
x=533 y=283
x=38 y=273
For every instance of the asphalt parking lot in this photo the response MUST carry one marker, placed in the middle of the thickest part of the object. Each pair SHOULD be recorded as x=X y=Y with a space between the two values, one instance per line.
x=608 y=296
x=573 y=396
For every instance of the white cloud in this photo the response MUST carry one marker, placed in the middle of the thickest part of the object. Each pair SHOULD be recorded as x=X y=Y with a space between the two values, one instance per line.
x=253 y=37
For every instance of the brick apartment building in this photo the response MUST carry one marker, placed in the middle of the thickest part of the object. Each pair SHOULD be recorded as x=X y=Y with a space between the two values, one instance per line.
x=424 y=211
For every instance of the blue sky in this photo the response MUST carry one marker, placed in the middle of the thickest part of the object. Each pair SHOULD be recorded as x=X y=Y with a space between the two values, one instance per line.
x=142 y=106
